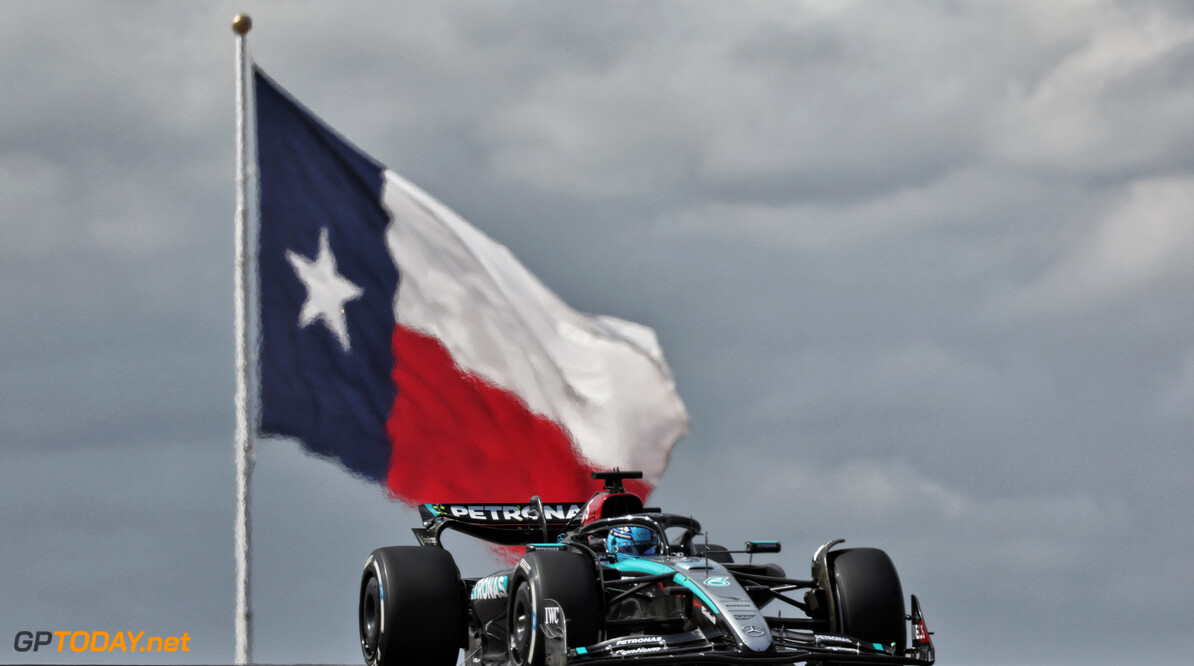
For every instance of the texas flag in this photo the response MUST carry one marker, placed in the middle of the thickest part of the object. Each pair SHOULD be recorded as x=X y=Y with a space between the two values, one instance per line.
x=404 y=343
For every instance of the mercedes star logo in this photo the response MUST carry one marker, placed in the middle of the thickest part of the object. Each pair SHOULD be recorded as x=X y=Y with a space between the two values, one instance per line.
x=753 y=630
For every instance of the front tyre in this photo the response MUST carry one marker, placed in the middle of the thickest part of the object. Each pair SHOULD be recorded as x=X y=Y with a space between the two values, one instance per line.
x=570 y=580
x=412 y=608
x=870 y=601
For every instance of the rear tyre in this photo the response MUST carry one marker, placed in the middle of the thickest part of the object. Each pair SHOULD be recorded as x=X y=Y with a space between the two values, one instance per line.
x=412 y=608
x=568 y=579
x=870 y=601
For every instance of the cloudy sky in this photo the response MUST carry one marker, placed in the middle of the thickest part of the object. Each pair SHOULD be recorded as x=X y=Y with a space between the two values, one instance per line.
x=924 y=272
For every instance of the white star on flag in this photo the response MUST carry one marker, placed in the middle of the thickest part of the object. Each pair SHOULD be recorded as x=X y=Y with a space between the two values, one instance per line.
x=327 y=290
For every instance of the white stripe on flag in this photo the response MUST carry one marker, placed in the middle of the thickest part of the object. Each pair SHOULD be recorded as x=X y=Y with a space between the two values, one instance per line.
x=604 y=380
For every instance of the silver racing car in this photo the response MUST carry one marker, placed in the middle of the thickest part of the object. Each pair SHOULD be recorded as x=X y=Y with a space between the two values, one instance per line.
x=607 y=580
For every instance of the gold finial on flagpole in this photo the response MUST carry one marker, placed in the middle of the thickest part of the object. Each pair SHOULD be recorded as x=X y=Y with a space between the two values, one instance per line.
x=242 y=24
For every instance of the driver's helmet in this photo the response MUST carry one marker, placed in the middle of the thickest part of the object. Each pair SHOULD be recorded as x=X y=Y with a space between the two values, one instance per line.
x=626 y=541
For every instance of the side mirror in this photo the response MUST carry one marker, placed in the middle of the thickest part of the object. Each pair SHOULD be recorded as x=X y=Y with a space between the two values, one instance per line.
x=753 y=547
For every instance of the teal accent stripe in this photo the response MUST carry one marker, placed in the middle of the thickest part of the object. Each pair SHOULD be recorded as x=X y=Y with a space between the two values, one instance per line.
x=643 y=566
x=656 y=569
x=582 y=650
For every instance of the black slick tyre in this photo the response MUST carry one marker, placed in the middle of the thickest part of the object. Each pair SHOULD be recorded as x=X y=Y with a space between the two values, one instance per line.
x=412 y=608
x=870 y=601
x=570 y=580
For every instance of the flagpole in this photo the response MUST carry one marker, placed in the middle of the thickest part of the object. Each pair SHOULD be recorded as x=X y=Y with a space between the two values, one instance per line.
x=241 y=25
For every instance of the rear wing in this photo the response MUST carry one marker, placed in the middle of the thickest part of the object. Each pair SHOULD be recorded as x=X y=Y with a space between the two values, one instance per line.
x=535 y=521
x=502 y=524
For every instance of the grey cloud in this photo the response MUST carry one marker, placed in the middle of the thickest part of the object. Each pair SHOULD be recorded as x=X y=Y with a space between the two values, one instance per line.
x=1142 y=242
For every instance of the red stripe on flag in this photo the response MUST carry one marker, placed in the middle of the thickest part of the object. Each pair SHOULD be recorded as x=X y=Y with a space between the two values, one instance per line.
x=456 y=438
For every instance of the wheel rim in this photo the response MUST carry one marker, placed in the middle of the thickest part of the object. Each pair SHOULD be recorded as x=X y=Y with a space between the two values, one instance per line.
x=370 y=619
x=520 y=627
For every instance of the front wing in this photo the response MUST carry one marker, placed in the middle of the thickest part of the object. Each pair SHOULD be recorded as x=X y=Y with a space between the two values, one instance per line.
x=694 y=647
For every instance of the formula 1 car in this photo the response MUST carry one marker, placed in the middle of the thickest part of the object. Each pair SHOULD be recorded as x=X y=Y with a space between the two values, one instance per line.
x=607 y=580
